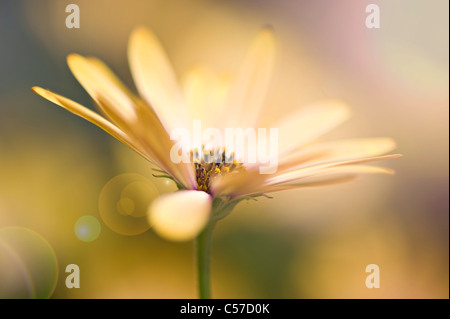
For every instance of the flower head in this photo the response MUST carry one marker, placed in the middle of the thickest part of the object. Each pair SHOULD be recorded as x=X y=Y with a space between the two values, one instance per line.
x=219 y=172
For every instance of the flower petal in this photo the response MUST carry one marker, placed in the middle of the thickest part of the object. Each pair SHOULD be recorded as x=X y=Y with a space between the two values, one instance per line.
x=249 y=89
x=308 y=123
x=236 y=184
x=150 y=133
x=338 y=150
x=92 y=117
x=330 y=176
x=101 y=84
x=130 y=114
x=319 y=168
x=145 y=141
x=205 y=94
x=317 y=182
x=326 y=177
x=180 y=216
x=155 y=78
x=340 y=171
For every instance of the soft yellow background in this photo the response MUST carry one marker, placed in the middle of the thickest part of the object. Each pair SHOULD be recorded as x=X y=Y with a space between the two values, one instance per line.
x=301 y=244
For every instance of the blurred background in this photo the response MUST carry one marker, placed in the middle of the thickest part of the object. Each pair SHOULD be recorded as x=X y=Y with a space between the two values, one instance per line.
x=71 y=194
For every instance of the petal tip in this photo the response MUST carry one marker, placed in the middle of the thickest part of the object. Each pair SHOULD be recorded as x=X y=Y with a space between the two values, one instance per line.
x=73 y=57
x=268 y=27
x=46 y=94
x=140 y=32
x=37 y=89
x=266 y=36
x=140 y=29
x=180 y=216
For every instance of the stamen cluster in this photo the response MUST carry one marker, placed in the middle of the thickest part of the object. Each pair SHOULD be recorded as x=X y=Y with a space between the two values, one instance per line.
x=209 y=164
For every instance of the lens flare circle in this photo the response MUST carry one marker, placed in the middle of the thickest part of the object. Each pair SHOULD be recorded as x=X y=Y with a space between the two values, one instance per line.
x=123 y=203
x=28 y=265
x=87 y=228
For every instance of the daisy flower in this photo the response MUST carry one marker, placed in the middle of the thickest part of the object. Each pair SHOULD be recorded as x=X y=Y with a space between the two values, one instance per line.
x=216 y=178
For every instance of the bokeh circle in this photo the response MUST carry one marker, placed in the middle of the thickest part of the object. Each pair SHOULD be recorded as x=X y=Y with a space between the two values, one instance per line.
x=87 y=228
x=123 y=203
x=28 y=265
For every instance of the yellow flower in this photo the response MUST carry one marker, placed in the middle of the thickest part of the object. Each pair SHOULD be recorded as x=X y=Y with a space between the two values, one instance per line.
x=144 y=124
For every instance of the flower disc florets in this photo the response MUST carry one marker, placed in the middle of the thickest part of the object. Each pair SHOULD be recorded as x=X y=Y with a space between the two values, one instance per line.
x=210 y=164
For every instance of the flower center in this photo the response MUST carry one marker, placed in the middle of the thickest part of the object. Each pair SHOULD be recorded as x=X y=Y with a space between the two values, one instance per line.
x=210 y=164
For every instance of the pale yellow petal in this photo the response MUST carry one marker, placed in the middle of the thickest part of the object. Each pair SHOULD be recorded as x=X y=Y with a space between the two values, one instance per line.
x=308 y=123
x=205 y=94
x=251 y=181
x=249 y=90
x=325 y=177
x=319 y=168
x=127 y=112
x=131 y=115
x=153 y=146
x=239 y=183
x=346 y=170
x=330 y=176
x=155 y=78
x=92 y=117
x=103 y=68
x=180 y=216
x=316 y=182
x=150 y=133
x=102 y=84
x=338 y=150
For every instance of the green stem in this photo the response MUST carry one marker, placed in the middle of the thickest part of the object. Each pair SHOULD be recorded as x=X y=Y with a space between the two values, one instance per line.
x=203 y=246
